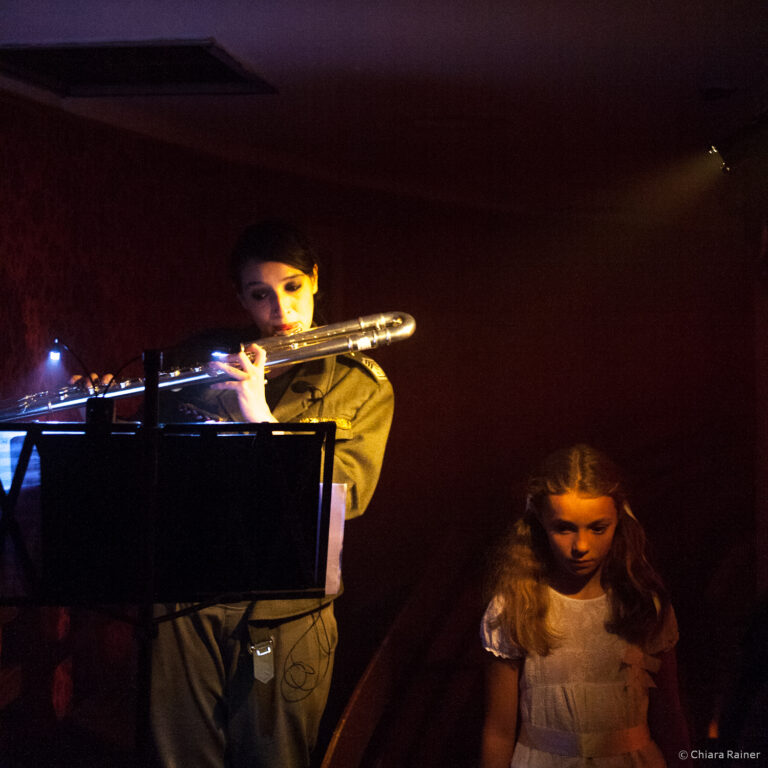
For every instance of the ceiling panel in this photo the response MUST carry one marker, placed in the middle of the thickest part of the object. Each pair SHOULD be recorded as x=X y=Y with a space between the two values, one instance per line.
x=483 y=102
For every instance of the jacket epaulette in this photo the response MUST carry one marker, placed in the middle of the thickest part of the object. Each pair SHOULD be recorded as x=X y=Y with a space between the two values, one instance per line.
x=369 y=365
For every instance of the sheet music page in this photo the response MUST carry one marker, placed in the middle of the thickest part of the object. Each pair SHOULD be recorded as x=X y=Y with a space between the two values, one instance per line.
x=335 y=538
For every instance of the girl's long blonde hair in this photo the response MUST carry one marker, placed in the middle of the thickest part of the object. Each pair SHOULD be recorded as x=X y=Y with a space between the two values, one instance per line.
x=523 y=564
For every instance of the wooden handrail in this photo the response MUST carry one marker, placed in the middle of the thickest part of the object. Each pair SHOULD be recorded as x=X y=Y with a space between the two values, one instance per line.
x=451 y=580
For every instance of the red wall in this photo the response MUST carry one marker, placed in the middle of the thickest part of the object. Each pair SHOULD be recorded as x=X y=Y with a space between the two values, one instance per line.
x=627 y=323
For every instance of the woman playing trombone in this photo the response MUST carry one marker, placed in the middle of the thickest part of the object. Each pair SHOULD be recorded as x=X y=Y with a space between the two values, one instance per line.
x=209 y=706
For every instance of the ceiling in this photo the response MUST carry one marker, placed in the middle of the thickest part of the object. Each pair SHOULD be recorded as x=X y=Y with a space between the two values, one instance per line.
x=494 y=103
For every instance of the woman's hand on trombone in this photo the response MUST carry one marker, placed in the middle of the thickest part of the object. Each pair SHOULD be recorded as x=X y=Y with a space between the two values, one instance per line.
x=91 y=383
x=247 y=371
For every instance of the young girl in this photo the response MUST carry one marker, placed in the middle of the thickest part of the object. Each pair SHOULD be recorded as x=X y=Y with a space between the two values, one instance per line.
x=581 y=632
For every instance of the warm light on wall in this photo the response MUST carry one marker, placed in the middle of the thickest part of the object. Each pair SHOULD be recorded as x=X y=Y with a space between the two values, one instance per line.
x=660 y=194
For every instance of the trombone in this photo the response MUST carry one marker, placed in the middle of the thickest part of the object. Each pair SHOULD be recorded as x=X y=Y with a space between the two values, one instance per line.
x=359 y=335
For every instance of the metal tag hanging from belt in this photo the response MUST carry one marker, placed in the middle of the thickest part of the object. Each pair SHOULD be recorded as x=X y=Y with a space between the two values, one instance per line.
x=263 y=655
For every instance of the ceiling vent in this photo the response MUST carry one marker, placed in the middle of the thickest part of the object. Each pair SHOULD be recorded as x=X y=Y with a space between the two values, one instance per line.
x=141 y=68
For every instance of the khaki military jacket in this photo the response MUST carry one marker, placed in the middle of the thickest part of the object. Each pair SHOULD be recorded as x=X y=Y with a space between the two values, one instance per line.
x=353 y=391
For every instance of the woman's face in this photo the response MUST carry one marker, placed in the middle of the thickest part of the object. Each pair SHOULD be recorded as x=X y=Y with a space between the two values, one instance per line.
x=279 y=298
x=580 y=532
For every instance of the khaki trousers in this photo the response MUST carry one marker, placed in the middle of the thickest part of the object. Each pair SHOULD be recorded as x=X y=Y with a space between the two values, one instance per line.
x=208 y=711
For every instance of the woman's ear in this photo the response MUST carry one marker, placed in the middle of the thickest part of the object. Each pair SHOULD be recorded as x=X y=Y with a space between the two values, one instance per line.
x=314 y=279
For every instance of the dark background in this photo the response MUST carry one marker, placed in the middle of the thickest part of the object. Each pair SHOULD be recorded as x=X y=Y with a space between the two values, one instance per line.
x=617 y=299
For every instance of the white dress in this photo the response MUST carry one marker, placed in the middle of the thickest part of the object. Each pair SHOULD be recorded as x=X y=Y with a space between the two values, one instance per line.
x=586 y=703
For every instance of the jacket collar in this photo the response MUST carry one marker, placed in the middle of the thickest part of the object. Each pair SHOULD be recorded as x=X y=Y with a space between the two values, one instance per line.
x=311 y=383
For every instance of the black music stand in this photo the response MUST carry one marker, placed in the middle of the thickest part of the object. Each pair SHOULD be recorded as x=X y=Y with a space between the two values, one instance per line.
x=239 y=514
x=134 y=514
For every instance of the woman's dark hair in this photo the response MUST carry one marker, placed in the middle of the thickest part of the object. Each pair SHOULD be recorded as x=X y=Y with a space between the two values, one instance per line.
x=272 y=240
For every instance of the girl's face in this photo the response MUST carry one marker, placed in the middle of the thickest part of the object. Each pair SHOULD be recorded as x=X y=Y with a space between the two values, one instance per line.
x=580 y=532
x=279 y=298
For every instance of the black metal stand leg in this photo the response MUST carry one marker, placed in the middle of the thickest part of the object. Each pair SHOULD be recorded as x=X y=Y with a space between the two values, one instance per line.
x=147 y=628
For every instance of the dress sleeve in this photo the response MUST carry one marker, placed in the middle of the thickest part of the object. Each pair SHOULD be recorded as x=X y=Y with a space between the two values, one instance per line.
x=667 y=636
x=493 y=638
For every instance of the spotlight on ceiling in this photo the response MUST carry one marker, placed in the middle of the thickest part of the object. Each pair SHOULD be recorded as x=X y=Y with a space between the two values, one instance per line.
x=746 y=145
